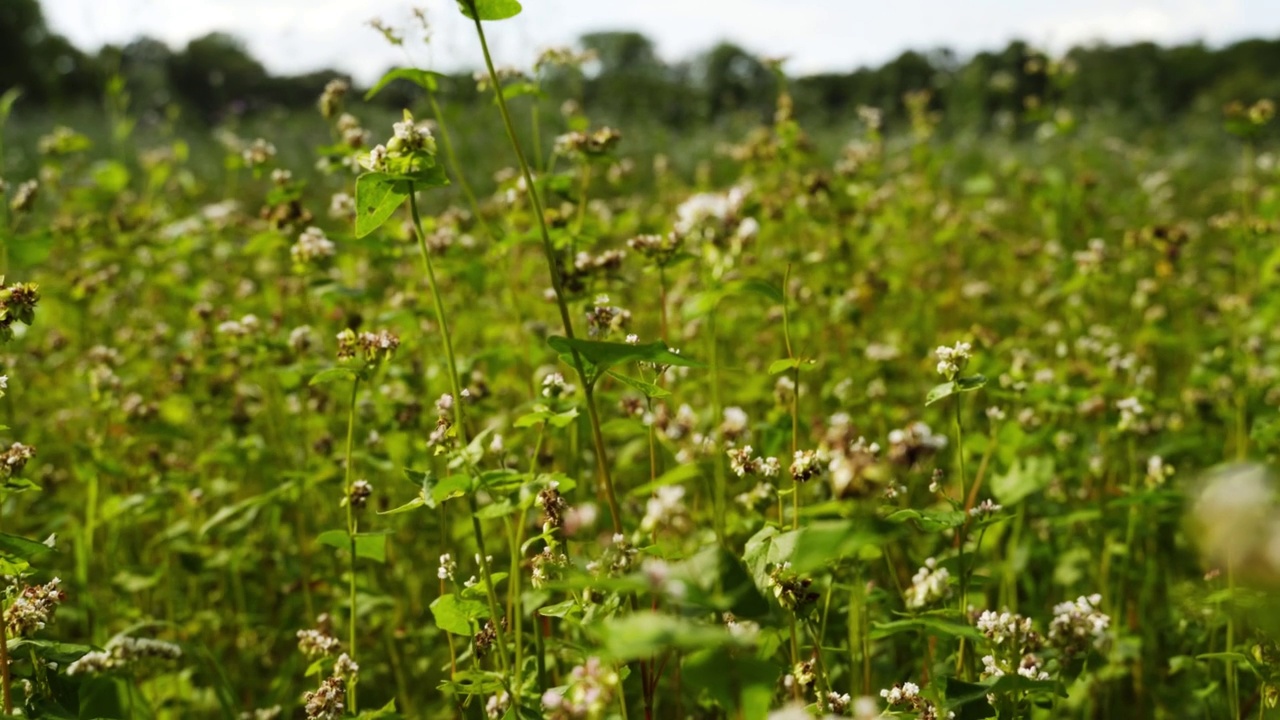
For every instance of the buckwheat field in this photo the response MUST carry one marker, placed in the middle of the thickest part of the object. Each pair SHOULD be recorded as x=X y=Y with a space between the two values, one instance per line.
x=441 y=415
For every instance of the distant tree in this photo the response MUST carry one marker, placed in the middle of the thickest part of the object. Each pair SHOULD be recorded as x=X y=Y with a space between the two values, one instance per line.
x=733 y=79
x=44 y=64
x=215 y=73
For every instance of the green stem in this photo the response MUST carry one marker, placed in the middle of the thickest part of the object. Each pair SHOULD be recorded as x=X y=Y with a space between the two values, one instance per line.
x=5 y=692
x=351 y=532
x=490 y=592
x=557 y=283
x=961 y=666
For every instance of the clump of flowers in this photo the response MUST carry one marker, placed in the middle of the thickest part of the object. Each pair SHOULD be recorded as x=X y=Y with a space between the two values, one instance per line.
x=17 y=304
x=853 y=467
x=319 y=641
x=24 y=197
x=906 y=696
x=258 y=153
x=805 y=466
x=578 y=143
x=604 y=319
x=930 y=584
x=791 y=590
x=666 y=509
x=913 y=444
x=371 y=347
x=1079 y=626
x=411 y=143
x=329 y=701
x=122 y=652
x=330 y=102
x=555 y=386
x=743 y=461
x=33 y=608
x=588 y=694
x=952 y=360
x=361 y=491
x=312 y=249
x=657 y=249
x=14 y=459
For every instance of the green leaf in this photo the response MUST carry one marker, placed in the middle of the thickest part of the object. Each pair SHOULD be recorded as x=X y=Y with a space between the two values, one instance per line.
x=1027 y=476
x=333 y=374
x=413 y=504
x=1012 y=683
x=599 y=355
x=947 y=389
x=499 y=509
x=740 y=683
x=928 y=625
x=560 y=609
x=457 y=615
x=377 y=197
x=759 y=287
x=451 y=487
x=939 y=392
x=490 y=9
x=21 y=547
x=646 y=634
x=49 y=650
x=368 y=545
x=968 y=700
x=431 y=175
x=424 y=79
x=784 y=365
x=6 y=103
x=649 y=389
x=931 y=520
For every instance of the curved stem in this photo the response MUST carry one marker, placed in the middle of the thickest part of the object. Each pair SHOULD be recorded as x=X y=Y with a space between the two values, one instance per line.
x=557 y=281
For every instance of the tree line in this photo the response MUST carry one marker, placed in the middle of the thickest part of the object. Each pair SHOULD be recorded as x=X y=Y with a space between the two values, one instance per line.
x=215 y=75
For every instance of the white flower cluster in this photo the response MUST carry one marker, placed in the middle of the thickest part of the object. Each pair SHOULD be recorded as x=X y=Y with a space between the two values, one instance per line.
x=554 y=386
x=33 y=608
x=244 y=327
x=984 y=508
x=1131 y=411
x=317 y=642
x=952 y=360
x=805 y=465
x=121 y=652
x=743 y=461
x=907 y=695
x=665 y=509
x=1079 y=625
x=928 y=585
x=312 y=247
x=590 y=691
x=329 y=702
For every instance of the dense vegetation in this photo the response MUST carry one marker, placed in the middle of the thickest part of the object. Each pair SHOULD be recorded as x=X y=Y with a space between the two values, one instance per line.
x=479 y=414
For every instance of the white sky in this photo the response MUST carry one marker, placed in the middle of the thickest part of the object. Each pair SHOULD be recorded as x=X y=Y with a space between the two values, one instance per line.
x=818 y=35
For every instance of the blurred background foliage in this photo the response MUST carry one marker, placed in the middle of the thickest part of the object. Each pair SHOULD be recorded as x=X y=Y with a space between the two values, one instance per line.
x=214 y=77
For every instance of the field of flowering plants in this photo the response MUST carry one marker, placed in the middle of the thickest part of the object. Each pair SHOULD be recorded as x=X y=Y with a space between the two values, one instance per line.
x=909 y=427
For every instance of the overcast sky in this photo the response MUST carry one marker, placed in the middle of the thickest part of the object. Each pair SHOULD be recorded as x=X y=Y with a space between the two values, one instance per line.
x=300 y=35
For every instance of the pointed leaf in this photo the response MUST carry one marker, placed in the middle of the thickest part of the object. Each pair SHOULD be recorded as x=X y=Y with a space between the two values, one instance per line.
x=377 y=197
x=424 y=79
x=939 y=392
x=489 y=9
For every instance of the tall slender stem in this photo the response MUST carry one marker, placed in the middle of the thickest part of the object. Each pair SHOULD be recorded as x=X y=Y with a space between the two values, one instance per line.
x=456 y=386
x=5 y=692
x=557 y=282
x=351 y=532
